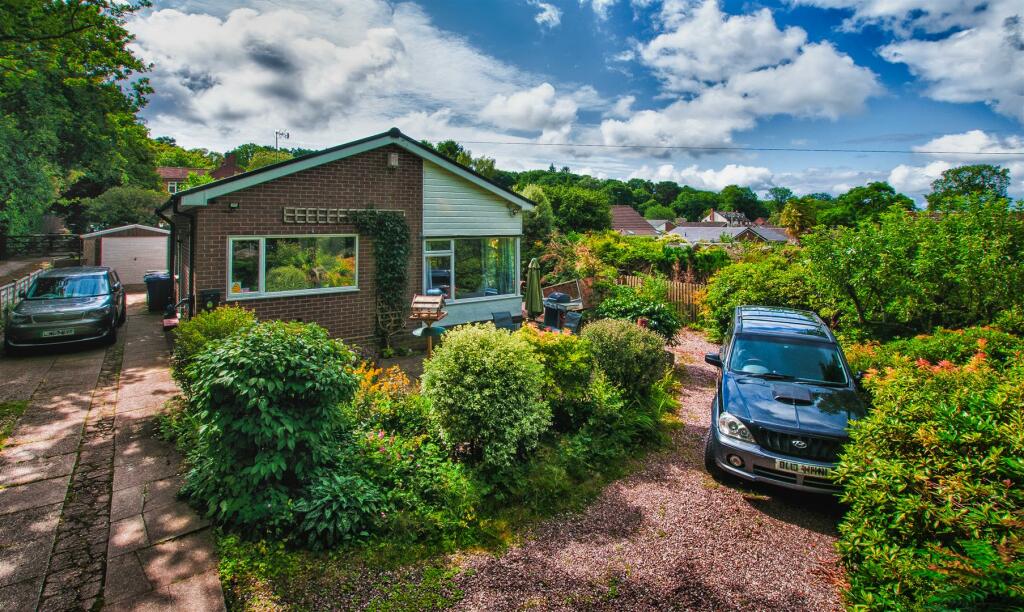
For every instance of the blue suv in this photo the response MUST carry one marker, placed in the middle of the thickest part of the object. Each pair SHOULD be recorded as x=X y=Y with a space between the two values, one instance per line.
x=784 y=400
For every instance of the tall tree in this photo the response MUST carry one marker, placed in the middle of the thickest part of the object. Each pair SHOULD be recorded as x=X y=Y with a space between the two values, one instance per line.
x=777 y=198
x=799 y=215
x=983 y=181
x=742 y=199
x=665 y=192
x=69 y=95
x=693 y=204
x=863 y=203
x=123 y=206
x=579 y=210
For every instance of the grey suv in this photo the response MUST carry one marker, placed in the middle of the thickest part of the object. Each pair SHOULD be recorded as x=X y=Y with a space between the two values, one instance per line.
x=785 y=398
x=65 y=306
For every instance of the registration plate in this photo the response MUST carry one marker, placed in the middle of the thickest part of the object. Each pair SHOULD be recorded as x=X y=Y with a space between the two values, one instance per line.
x=51 y=333
x=803 y=468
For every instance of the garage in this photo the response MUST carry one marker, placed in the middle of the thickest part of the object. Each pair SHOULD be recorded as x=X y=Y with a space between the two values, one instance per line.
x=131 y=250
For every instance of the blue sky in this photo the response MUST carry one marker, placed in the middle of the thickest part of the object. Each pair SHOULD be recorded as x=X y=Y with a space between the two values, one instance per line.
x=911 y=75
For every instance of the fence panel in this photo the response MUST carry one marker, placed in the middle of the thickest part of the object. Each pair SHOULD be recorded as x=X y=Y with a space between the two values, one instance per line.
x=9 y=292
x=681 y=295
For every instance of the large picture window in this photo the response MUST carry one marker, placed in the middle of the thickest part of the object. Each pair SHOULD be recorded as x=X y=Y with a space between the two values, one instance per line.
x=467 y=268
x=291 y=265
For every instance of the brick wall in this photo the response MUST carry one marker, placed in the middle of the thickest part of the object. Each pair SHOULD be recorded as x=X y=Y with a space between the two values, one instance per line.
x=360 y=181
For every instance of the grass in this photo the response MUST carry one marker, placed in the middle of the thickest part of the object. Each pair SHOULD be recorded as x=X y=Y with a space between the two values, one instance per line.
x=9 y=413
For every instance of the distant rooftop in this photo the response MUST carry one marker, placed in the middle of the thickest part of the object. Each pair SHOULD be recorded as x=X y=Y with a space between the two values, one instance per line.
x=626 y=220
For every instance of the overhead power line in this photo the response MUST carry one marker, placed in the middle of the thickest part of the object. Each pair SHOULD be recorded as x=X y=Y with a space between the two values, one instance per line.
x=741 y=148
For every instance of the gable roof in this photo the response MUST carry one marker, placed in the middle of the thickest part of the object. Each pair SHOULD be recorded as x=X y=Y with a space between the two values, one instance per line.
x=200 y=195
x=177 y=173
x=626 y=220
x=114 y=230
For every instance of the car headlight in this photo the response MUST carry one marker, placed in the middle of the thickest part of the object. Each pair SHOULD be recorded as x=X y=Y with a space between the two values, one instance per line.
x=730 y=426
x=98 y=313
x=16 y=317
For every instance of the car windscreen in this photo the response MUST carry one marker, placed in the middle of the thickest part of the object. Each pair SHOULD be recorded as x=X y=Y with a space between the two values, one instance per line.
x=50 y=287
x=786 y=358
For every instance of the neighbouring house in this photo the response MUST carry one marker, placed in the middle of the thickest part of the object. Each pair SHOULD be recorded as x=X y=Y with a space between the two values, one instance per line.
x=729 y=217
x=628 y=222
x=174 y=177
x=132 y=250
x=721 y=234
x=661 y=225
x=279 y=240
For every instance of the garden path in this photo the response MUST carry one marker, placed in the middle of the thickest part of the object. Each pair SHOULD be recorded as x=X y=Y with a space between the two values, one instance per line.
x=88 y=508
x=669 y=537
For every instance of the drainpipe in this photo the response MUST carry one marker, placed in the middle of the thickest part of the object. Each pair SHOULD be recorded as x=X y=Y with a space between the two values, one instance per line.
x=174 y=233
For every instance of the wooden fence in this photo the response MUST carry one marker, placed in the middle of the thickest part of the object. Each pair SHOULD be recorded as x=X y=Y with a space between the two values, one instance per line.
x=682 y=295
x=39 y=244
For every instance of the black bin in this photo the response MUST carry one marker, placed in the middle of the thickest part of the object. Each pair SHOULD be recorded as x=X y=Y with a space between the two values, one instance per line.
x=158 y=290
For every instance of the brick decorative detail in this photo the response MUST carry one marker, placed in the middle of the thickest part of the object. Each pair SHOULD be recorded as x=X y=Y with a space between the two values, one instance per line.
x=75 y=575
x=358 y=182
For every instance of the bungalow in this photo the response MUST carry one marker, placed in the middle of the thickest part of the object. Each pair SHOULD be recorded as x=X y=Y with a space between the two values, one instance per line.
x=729 y=217
x=281 y=240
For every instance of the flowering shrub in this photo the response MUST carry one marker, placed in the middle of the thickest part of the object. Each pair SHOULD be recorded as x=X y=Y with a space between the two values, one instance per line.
x=649 y=301
x=485 y=388
x=568 y=364
x=386 y=400
x=949 y=346
x=933 y=481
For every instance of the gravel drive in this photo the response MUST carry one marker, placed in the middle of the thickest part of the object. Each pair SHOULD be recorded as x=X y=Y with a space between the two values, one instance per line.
x=671 y=538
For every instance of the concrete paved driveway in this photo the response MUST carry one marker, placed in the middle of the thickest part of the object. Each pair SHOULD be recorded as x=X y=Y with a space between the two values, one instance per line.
x=88 y=510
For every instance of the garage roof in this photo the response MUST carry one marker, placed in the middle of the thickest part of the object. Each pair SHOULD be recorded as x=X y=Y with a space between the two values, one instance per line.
x=124 y=228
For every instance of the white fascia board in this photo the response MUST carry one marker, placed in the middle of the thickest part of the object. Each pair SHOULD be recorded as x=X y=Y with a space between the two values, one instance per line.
x=113 y=230
x=202 y=196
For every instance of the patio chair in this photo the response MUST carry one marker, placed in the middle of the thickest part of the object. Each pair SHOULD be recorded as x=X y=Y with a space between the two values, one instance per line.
x=572 y=321
x=504 y=320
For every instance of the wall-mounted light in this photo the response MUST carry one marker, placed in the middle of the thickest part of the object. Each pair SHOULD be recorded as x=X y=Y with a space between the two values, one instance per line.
x=233 y=205
x=392 y=160
x=513 y=210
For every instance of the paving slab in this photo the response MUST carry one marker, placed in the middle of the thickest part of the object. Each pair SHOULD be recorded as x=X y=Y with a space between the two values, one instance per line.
x=23 y=560
x=146 y=470
x=172 y=520
x=21 y=597
x=201 y=592
x=127 y=502
x=127 y=535
x=30 y=524
x=14 y=453
x=33 y=495
x=36 y=469
x=125 y=579
x=179 y=559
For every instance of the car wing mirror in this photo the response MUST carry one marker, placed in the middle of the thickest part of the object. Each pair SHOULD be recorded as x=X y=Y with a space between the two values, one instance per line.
x=116 y=286
x=714 y=359
x=858 y=379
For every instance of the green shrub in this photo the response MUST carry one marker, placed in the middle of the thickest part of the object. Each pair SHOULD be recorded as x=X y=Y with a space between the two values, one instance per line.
x=568 y=364
x=932 y=479
x=337 y=507
x=287 y=278
x=386 y=401
x=770 y=280
x=632 y=357
x=1011 y=320
x=192 y=335
x=485 y=387
x=267 y=403
x=649 y=301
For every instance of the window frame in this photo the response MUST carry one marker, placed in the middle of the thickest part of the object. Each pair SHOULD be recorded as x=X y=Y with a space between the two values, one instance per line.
x=263 y=294
x=450 y=252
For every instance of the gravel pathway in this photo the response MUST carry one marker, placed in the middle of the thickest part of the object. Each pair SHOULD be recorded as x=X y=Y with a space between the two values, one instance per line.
x=671 y=538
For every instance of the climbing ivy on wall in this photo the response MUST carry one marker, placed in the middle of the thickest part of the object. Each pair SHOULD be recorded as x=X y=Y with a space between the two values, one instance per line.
x=390 y=234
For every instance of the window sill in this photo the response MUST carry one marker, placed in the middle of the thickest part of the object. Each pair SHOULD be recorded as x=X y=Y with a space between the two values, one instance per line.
x=486 y=298
x=241 y=297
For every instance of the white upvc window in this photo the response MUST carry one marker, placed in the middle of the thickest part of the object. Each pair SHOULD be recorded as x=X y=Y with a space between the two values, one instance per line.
x=172 y=187
x=280 y=266
x=472 y=268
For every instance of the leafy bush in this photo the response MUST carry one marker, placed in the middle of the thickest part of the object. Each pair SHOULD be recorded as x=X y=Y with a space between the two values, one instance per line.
x=632 y=357
x=337 y=507
x=932 y=478
x=649 y=301
x=771 y=280
x=485 y=387
x=267 y=403
x=568 y=364
x=193 y=335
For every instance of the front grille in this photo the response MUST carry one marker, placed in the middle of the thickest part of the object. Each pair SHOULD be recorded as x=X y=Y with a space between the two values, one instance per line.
x=815 y=448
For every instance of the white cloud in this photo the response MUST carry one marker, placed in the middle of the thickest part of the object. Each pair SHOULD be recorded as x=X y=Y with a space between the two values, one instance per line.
x=820 y=82
x=548 y=15
x=755 y=177
x=703 y=46
x=328 y=72
x=917 y=179
x=600 y=7
x=538 y=108
x=622 y=108
x=998 y=149
x=974 y=51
